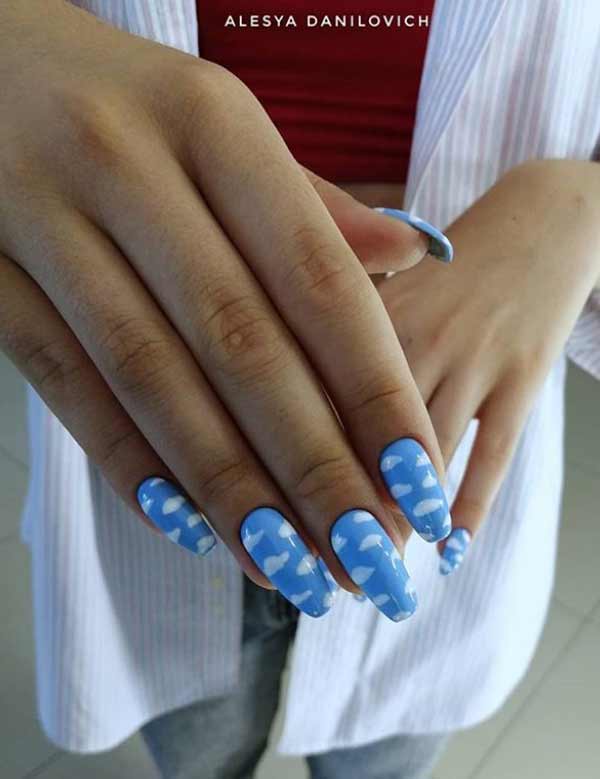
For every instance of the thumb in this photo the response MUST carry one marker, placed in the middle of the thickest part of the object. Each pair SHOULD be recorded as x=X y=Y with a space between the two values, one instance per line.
x=383 y=239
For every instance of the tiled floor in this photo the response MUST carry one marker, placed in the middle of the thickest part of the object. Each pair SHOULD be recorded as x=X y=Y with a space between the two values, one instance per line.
x=549 y=727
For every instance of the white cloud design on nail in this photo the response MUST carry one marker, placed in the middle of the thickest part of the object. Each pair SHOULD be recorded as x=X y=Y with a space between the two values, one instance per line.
x=147 y=505
x=361 y=573
x=374 y=539
x=156 y=482
x=300 y=597
x=423 y=459
x=454 y=543
x=250 y=540
x=338 y=542
x=174 y=535
x=285 y=530
x=390 y=461
x=379 y=600
x=194 y=519
x=362 y=516
x=275 y=563
x=328 y=599
x=446 y=566
x=401 y=615
x=409 y=588
x=306 y=565
x=204 y=544
x=427 y=506
x=173 y=504
x=400 y=490
x=429 y=481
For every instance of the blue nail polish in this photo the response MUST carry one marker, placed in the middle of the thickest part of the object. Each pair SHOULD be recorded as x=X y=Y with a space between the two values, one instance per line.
x=413 y=483
x=333 y=585
x=455 y=548
x=285 y=560
x=373 y=563
x=172 y=512
x=439 y=245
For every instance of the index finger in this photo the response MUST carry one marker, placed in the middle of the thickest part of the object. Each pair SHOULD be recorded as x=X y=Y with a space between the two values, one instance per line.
x=293 y=246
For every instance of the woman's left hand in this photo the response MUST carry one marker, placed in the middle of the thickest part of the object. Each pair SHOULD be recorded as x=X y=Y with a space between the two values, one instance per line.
x=480 y=336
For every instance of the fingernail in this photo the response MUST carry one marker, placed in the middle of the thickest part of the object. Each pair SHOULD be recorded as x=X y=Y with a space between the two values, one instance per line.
x=333 y=585
x=285 y=560
x=413 y=483
x=373 y=563
x=439 y=245
x=359 y=598
x=455 y=548
x=172 y=512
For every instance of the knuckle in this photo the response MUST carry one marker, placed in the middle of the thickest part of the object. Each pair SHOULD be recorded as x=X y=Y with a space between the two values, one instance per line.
x=497 y=447
x=220 y=476
x=318 y=273
x=114 y=450
x=324 y=475
x=135 y=356
x=241 y=340
x=375 y=395
x=53 y=370
x=93 y=123
x=204 y=95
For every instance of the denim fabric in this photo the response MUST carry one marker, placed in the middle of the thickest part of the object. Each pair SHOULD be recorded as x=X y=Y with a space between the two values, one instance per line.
x=224 y=738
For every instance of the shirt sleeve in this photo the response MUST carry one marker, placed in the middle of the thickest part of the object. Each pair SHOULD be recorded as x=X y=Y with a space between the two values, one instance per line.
x=583 y=346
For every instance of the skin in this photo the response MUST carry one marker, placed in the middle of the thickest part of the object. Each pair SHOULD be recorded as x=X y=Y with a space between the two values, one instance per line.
x=182 y=294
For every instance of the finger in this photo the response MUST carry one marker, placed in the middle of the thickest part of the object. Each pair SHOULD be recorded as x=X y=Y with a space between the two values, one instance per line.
x=381 y=244
x=325 y=297
x=451 y=407
x=245 y=351
x=500 y=423
x=45 y=350
x=157 y=382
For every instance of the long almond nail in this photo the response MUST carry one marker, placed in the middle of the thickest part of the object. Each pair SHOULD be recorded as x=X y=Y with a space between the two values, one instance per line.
x=413 y=483
x=173 y=513
x=373 y=563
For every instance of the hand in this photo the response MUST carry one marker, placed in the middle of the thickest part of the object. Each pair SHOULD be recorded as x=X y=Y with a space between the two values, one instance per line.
x=178 y=293
x=481 y=338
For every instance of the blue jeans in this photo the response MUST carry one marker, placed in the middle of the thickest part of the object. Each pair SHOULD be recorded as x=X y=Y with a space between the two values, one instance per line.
x=224 y=738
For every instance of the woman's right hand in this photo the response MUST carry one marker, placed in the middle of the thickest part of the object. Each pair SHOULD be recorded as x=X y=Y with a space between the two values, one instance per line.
x=177 y=292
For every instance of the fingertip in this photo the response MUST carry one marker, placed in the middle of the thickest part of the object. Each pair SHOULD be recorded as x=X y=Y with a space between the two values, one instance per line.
x=454 y=550
x=436 y=243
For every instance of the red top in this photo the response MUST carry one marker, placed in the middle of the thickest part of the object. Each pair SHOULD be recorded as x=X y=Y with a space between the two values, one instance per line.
x=343 y=98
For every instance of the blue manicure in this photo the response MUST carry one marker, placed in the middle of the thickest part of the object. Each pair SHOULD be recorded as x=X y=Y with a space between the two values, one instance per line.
x=413 y=483
x=172 y=512
x=454 y=550
x=439 y=245
x=373 y=563
x=333 y=585
x=285 y=560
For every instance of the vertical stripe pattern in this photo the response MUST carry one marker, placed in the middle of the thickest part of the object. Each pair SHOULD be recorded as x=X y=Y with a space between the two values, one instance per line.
x=128 y=627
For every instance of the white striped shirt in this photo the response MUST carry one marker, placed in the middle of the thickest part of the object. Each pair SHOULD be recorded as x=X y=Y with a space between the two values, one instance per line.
x=128 y=627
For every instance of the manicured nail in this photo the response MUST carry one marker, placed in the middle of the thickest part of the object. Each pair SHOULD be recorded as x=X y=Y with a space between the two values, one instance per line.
x=413 y=483
x=333 y=585
x=172 y=512
x=285 y=560
x=439 y=245
x=455 y=548
x=373 y=563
